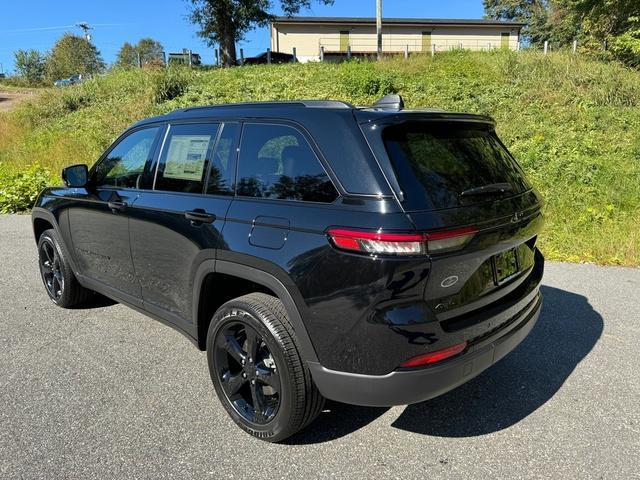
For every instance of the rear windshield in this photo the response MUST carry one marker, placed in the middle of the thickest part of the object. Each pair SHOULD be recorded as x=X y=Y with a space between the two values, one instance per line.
x=445 y=165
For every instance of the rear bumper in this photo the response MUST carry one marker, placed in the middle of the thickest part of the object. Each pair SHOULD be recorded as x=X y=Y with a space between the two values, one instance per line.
x=402 y=387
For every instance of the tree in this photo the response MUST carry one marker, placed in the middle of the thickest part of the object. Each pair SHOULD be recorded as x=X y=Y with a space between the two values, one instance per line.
x=72 y=55
x=30 y=65
x=224 y=22
x=534 y=13
x=562 y=21
x=150 y=51
x=127 y=56
x=626 y=47
x=607 y=18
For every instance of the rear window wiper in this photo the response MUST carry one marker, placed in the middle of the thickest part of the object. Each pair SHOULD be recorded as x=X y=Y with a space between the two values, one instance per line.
x=488 y=189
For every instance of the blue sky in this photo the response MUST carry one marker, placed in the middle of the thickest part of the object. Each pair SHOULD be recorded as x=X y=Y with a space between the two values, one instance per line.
x=38 y=23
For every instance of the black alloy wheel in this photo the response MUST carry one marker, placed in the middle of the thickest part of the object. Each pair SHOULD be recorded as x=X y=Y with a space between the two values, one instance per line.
x=57 y=275
x=51 y=270
x=247 y=372
x=257 y=370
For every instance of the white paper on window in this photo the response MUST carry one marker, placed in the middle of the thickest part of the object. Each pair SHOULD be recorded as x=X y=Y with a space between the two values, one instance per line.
x=186 y=157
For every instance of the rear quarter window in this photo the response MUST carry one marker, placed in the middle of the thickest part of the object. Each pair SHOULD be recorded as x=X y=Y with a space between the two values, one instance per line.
x=436 y=162
x=277 y=162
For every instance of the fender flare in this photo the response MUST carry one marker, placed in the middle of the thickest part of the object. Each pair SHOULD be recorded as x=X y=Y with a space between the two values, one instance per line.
x=44 y=214
x=261 y=277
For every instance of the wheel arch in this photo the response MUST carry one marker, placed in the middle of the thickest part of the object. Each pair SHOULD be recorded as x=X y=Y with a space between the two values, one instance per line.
x=42 y=220
x=265 y=282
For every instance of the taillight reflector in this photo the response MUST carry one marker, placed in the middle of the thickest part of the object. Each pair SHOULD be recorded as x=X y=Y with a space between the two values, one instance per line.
x=449 y=240
x=433 y=357
x=401 y=243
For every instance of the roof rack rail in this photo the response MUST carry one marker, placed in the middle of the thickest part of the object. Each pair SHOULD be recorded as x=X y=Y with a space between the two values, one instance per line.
x=326 y=104
x=390 y=102
x=281 y=103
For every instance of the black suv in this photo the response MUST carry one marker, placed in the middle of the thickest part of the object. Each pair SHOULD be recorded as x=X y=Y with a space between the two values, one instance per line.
x=375 y=256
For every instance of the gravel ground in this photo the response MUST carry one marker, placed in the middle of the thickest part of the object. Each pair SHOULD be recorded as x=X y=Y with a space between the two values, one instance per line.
x=108 y=393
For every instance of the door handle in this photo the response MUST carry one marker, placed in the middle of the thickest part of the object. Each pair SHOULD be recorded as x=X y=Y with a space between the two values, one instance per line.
x=198 y=217
x=117 y=206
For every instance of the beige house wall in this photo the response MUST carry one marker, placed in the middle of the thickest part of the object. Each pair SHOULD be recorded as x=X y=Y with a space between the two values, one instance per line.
x=308 y=38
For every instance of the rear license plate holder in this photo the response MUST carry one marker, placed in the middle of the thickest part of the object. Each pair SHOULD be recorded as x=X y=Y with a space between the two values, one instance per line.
x=505 y=266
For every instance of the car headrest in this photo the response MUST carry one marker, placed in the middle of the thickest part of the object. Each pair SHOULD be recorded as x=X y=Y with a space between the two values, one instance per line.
x=266 y=166
x=293 y=160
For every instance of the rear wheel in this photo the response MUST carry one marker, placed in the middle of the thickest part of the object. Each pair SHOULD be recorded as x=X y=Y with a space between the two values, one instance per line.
x=257 y=370
x=61 y=285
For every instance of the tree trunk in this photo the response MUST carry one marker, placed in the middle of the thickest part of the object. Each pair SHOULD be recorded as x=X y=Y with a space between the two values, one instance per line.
x=227 y=48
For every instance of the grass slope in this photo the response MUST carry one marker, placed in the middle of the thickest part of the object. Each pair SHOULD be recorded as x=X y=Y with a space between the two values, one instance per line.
x=572 y=123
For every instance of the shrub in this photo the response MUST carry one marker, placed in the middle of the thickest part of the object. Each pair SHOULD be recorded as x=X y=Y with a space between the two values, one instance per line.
x=18 y=191
x=170 y=84
x=626 y=48
x=362 y=79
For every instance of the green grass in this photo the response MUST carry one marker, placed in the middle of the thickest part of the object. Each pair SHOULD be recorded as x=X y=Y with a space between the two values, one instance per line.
x=572 y=123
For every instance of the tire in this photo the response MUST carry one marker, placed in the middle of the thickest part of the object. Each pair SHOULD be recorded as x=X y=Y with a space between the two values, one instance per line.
x=58 y=278
x=290 y=405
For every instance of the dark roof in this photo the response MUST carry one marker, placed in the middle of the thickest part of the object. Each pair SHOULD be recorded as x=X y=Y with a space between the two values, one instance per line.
x=398 y=21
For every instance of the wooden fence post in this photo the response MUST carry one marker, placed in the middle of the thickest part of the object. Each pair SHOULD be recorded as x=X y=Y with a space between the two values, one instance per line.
x=217 y=52
x=349 y=51
x=242 y=56
x=268 y=55
x=433 y=49
x=295 y=56
x=575 y=46
x=546 y=46
x=406 y=52
x=322 y=53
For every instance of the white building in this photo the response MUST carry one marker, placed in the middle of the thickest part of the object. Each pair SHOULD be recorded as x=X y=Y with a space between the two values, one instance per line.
x=335 y=35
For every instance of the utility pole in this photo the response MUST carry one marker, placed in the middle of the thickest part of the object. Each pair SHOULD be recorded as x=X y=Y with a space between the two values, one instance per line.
x=85 y=27
x=379 y=27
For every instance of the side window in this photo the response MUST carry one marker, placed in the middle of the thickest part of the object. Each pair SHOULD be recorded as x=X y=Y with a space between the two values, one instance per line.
x=185 y=157
x=277 y=162
x=223 y=164
x=128 y=164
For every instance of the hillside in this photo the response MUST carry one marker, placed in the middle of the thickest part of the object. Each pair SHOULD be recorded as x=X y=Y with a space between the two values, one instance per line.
x=573 y=123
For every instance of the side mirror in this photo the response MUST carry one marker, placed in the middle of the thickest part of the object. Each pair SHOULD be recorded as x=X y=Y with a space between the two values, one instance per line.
x=75 y=176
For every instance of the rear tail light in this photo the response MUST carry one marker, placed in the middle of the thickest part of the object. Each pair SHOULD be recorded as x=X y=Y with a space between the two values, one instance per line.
x=381 y=243
x=448 y=240
x=433 y=357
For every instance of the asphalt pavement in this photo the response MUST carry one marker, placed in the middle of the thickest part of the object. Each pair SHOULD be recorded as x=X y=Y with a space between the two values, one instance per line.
x=105 y=392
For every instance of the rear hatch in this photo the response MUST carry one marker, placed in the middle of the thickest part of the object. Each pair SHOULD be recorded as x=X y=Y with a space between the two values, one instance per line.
x=452 y=173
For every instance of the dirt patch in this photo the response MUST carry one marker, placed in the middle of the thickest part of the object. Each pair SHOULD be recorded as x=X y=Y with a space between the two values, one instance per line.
x=9 y=100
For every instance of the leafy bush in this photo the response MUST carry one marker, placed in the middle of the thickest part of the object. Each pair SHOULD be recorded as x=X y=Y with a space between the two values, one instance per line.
x=18 y=191
x=626 y=47
x=363 y=79
x=170 y=84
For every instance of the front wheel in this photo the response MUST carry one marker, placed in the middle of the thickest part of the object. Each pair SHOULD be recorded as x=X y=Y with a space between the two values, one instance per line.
x=256 y=368
x=58 y=278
